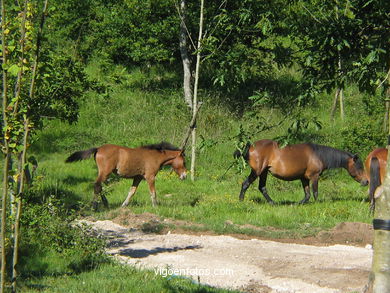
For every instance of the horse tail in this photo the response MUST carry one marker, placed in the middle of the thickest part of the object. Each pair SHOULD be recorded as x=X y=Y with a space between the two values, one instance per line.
x=81 y=155
x=244 y=153
x=374 y=177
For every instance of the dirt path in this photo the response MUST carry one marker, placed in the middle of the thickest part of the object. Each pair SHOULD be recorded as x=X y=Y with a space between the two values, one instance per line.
x=251 y=265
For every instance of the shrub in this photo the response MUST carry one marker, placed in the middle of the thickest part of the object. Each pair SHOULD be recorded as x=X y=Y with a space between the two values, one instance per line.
x=49 y=231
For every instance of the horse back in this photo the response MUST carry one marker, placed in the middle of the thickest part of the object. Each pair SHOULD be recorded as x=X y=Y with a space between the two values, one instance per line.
x=297 y=161
x=380 y=155
x=126 y=162
x=260 y=153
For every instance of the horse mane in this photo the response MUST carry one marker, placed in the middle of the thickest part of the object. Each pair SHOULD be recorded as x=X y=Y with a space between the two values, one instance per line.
x=333 y=158
x=162 y=146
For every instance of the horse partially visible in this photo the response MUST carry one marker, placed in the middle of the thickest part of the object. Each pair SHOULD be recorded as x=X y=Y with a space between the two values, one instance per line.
x=305 y=162
x=376 y=170
x=138 y=163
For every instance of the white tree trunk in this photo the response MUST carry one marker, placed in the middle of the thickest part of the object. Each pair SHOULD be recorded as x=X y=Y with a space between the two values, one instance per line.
x=184 y=55
x=195 y=99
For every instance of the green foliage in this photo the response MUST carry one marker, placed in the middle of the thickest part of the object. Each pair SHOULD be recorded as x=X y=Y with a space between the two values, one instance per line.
x=128 y=32
x=62 y=85
x=363 y=135
x=300 y=130
x=341 y=41
x=245 y=45
x=50 y=230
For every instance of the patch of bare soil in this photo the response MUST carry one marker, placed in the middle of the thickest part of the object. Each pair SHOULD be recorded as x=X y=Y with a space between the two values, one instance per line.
x=350 y=233
x=247 y=263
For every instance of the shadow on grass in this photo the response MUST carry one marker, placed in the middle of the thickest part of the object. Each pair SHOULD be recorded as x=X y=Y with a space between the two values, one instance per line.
x=40 y=196
x=343 y=199
x=141 y=253
x=259 y=200
x=73 y=180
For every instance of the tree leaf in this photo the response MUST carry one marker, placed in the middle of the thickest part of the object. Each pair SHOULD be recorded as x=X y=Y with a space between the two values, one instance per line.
x=13 y=69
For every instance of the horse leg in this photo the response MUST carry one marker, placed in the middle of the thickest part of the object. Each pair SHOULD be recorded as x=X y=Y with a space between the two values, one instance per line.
x=104 y=200
x=152 y=189
x=132 y=191
x=306 y=188
x=98 y=191
x=262 y=188
x=314 y=186
x=252 y=177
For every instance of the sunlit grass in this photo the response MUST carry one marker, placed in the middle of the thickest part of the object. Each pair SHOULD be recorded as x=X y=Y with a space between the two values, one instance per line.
x=114 y=278
x=132 y=117
x=212 y=202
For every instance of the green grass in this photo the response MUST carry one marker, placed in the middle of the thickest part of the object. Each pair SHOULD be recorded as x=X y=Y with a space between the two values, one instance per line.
x=132 y=117
x=115 y=278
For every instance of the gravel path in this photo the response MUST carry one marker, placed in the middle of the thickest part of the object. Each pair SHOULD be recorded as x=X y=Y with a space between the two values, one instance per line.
x=247 y=265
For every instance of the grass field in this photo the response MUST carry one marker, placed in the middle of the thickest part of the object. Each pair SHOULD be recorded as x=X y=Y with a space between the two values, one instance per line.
x=115 y=278
x=132 y=117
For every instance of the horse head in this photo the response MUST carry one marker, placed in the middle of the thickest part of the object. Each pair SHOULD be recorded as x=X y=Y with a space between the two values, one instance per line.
x=179 y=165
x=356 y=170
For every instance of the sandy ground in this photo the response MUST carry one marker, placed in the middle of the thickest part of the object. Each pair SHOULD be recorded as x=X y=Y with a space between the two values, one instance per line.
x=248 y=265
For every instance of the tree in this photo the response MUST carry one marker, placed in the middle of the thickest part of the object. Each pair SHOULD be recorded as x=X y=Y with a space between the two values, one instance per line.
x=379 y=280
x=187 y=84
x=341 y=41
x=38 y=90
x=195 y=98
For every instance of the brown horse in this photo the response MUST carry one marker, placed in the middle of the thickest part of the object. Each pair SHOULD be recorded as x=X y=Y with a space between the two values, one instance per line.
x=304 y=161
x=138 y=163
x=376 y=170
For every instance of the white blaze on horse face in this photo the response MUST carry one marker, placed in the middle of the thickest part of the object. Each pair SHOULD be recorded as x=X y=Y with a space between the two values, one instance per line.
x=183 y=175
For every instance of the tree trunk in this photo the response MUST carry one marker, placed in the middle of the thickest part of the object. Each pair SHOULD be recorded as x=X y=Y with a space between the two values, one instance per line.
x=6 y=150
x=380 y=275
x=195 y=99
x=19 y=198
x=335 y=100
x=26 y=133
x=387 y=105
x=341 y=100
x=379 y=280
x=184 y=55
x=339 y=94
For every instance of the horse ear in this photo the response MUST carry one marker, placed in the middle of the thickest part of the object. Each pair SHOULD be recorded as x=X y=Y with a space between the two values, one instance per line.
x=355 y=158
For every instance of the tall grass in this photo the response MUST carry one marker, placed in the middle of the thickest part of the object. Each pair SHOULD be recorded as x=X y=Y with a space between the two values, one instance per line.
x=132 y=117
x=138 y=111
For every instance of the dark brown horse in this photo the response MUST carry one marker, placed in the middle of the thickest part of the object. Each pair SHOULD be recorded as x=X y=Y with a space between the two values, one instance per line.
x=138 y=163
x=376 y=170
x=304 y=161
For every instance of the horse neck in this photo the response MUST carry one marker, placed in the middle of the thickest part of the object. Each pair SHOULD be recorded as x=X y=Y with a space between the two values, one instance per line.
x=168 y=156
x=332 y=158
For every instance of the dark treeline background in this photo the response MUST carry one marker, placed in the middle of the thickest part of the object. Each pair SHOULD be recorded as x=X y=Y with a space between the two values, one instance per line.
x=245 y=43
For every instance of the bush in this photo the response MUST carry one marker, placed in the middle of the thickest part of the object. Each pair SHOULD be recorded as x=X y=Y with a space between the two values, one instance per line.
x=49 y=232
x=362 y=135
